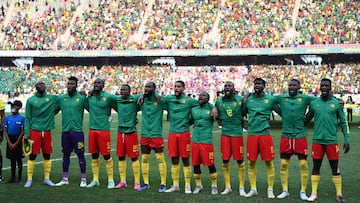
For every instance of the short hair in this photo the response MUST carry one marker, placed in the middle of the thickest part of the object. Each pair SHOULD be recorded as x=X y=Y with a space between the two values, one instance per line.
x=153 y=84
x=181 y=82
x=230 y=83
x=326 y=80
x=260 y=80
x=296 y=80
x=74 y=79
x=126 y=85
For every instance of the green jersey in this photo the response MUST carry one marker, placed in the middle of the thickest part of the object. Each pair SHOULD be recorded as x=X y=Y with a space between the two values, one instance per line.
x=127 y=109
x=327 y=115
x=152 y=117
x=100 y=110
x=203 y=124
x=259 y=110
x=72 y=111
x=293 y=110
x=231 y=115
x=179 y=112
x=40 y=113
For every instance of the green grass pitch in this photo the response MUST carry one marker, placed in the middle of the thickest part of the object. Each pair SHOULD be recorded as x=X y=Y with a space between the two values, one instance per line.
x=349 y=166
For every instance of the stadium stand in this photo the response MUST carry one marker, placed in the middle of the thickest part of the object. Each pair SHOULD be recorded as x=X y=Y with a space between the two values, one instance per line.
x=163 y=24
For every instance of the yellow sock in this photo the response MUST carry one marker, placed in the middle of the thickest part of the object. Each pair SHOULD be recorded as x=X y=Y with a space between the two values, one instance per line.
x=213 y=177
x=270 y=171
x=136 y=170
x=337 y=182
x=30 y=169
x=241 y=171
x=122 y=170
x=145 y=167
x=47 y=169
x=187 y=175
x=314 y=183
x=304 y=174
x=197 y=178
x=162 y=167
x=284 y=173
x=175 y=172
x=226 y=173
x=109 y=164
x=95 y=163
x=252 y=174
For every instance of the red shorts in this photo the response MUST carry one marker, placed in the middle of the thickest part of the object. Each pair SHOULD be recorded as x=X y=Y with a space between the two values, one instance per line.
x=42 y=140
x=293 y=145
x=331 y=150
x=202 y=154
x=260 y=144
x=234 y=146
x=127 y=144
x=152 y=142
x=99 y=141
x=179 y=144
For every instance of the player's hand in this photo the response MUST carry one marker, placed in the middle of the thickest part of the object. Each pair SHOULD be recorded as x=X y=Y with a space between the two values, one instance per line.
x=346 y=148
x=158 y=98
x=90 y=93
x=26 y=140
x=140 y=100
x=215 y=113
x=341 y=103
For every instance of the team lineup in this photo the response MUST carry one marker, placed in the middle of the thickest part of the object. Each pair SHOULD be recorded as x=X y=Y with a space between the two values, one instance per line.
x=193 y=149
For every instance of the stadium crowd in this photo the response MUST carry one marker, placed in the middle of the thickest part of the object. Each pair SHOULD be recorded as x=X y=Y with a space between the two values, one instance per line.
x=162 y=24
x=17 y=81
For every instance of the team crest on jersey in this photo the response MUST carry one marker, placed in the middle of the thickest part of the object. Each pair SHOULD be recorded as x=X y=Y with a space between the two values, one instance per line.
x=47 y=99
x=104 y=99
x=208 y=112
x=266 y=101
x=234 y=104
x=317 y=105
x=65 y=100
x=155 y=103
x=299 y=100
x=183 y=101
x=77 y=99
x=286 y=99
x=332 y=106
x=240 y=103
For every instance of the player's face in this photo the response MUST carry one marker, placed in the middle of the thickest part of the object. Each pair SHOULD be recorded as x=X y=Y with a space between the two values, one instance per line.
x=124 y=91
x=98 y=85
x=293 y=88
x=178 y=89
x=258 y=87
x=149 y=89
x=229 y=89
x=325 y=88
x=203 y=98
x=71 y=86
x=40 y=87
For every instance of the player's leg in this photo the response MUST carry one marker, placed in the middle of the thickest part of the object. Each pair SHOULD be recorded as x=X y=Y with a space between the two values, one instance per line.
x=173 y=152
x=145 y=159
x=159 y=154
x=318 y=152
x=47 y=150
x=304 y=175
x=121 y=152
x=197 y=178
x=284 y=174
x=225 y=145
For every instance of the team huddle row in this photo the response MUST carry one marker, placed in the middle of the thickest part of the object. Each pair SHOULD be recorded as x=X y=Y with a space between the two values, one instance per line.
x=183 y=111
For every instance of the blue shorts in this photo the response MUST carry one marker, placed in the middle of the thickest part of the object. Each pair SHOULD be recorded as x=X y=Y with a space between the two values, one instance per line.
x=72 y=141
